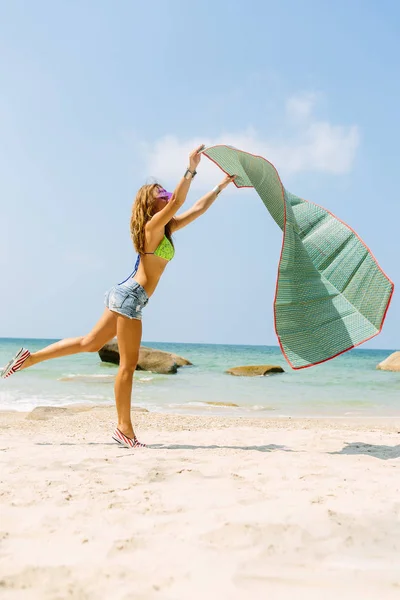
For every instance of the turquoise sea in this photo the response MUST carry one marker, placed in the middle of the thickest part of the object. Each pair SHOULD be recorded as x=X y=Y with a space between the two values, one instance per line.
x=349 y=385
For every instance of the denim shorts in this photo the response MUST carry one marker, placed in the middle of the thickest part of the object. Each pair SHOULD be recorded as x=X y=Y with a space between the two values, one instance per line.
x=127 y=298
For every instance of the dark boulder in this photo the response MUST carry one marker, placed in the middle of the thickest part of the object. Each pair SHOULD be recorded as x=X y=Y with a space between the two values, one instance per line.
x=150 y=359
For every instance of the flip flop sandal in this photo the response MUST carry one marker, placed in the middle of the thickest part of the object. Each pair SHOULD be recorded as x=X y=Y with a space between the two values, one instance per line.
x=126 y=442
x=15 y=363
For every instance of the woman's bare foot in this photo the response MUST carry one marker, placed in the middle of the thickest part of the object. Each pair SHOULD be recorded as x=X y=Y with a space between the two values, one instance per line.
x=27 y=363
x=126 y=430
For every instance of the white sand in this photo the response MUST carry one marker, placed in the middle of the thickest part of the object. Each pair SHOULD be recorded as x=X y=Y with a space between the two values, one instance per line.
x=226 y=509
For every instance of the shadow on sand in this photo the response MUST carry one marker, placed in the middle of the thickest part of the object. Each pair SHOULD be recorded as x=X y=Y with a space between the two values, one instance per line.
x=382 y=452
x=267 y=448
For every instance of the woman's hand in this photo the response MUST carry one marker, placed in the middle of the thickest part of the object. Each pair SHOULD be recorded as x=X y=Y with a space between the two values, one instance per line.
x=195 y=157
x=226 y=181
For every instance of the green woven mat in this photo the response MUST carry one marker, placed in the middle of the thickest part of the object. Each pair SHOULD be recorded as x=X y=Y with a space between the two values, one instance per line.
x=331 y=294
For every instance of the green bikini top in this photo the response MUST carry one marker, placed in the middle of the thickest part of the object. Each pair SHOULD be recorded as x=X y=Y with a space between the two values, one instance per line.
x=164 y=249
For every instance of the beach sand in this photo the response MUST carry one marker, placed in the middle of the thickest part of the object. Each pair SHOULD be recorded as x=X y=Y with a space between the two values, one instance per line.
x=215 y=508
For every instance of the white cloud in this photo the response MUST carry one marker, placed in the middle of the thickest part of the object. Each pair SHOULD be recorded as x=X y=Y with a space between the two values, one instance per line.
x=300 y=107
x=312 y=145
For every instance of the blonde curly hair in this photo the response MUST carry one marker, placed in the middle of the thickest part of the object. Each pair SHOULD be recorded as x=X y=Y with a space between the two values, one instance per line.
x=142 y=210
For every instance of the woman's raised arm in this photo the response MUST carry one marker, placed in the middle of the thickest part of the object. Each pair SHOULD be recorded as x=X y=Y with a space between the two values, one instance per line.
x=162 y=217
x=200 y=207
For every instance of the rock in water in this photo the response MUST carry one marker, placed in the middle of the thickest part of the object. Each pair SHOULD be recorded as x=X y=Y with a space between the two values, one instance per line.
x=156 y=361
x=391 y=363
x=150 y=359
x=180 y=361
x=110 y=352
x=255 y=370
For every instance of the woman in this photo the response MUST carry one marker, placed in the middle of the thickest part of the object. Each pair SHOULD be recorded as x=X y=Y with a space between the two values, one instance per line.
x=152 y=223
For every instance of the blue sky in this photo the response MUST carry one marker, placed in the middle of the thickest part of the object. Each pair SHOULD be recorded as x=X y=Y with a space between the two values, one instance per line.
x=96 y=97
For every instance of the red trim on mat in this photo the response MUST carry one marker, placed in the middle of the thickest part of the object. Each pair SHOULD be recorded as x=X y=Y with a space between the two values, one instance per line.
x=280 y=257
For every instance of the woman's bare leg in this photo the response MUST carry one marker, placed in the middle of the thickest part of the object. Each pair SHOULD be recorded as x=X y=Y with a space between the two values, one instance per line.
x=129 y=334
x=104 y=330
